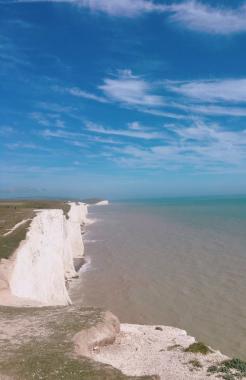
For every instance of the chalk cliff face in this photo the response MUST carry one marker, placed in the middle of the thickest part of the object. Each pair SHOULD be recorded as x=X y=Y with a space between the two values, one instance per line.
x=45 y=259
x=77 y=217
x=102 y=203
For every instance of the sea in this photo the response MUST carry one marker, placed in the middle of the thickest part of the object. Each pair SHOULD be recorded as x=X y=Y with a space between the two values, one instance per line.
x=177 y=262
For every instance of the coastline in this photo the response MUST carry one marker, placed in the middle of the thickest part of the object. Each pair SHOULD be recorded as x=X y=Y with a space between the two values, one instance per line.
x=38 y=273
x=53 y=241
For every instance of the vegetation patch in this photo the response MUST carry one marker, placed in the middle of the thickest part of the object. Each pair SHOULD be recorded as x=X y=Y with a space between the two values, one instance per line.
x=9 y=243
x=13 y=212
x=36 y=343
x=195 y=363
x=231 y=369
x=198 y=348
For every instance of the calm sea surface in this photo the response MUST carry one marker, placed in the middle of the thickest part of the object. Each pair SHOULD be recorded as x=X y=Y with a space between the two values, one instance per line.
x=178 y=262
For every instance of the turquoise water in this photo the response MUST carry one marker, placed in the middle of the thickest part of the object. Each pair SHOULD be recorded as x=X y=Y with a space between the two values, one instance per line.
x=176 y=262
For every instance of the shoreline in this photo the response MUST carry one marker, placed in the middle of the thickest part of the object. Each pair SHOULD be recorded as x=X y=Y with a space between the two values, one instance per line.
x=55 y=241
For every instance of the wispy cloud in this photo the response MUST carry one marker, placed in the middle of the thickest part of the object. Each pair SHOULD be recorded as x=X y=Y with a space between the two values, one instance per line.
x=40 y=118
x=200 y=146
x=214 y=110
x=107 y=140
x=231 y=90
x=76 y=139
x=48 y=119
x=11 y=56
x=60 y=134
x=121 y=8
x=191 y=14
x=6 y=130
x=75 y=91
x=129 y=89
x=139 y=133
x=55 y=107
x=21 y=145
x=28 y=146
x=201 y=17
x=161 y=113
x=118 y=8
x=176 y=99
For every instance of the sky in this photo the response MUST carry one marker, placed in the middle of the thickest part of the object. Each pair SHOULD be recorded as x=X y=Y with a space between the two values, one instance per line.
x=122 y=98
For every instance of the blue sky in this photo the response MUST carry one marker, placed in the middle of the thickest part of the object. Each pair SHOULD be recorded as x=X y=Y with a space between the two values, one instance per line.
x=122 y=98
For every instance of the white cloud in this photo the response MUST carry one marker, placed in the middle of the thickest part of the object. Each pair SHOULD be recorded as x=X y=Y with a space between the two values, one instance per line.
x=138 y=134
x=200 y=146
x=102 y=140
x=201 y=17
x=192 y=14
x=59 y=133
x=130 y=90
x=135 y=126
x=54 y=107
x=231 y=90
x=22 y=145
x=6 y=130
x=214 y=110
x=48 y=119
x=128 y=8
x=118 y=8
x=59 y=123
x=40 y=118
x=158 y=112
x=75 y=91
x=78 y=144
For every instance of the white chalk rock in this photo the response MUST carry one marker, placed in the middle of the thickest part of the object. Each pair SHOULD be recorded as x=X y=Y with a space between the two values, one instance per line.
x=102 y=203
x=45 y=259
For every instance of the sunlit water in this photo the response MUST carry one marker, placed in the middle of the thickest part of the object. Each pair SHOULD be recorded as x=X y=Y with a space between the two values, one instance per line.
x=179 y=263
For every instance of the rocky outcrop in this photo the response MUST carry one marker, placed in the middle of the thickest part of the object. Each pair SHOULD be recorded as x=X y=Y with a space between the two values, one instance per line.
x=101 y=334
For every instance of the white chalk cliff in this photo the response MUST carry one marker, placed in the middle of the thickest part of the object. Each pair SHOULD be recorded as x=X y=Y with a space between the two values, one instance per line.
x=44 y=261
x=102 y=203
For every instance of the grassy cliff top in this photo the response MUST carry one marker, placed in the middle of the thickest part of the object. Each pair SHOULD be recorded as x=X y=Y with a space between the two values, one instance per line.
x=13 y=212
x=36 y=343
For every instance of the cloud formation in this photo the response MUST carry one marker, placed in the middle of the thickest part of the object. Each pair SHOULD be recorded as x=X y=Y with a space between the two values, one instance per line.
x=131 y=90
x=134 y=130
x=121 y=8
x=171 y=99
x=118 y=8
x=231 y=90
x=193 y=15
x=200 y=145
x=75 y=91
x=198 y=16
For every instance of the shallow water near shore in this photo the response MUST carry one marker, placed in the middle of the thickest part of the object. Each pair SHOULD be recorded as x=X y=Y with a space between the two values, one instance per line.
x=173 y=262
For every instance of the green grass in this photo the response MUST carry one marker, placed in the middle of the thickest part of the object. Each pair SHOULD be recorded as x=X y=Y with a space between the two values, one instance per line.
x=8 y=244
x=195 y=363
x=36 y=343
x=13 y=212
x=198 y=348
x=231 y=369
